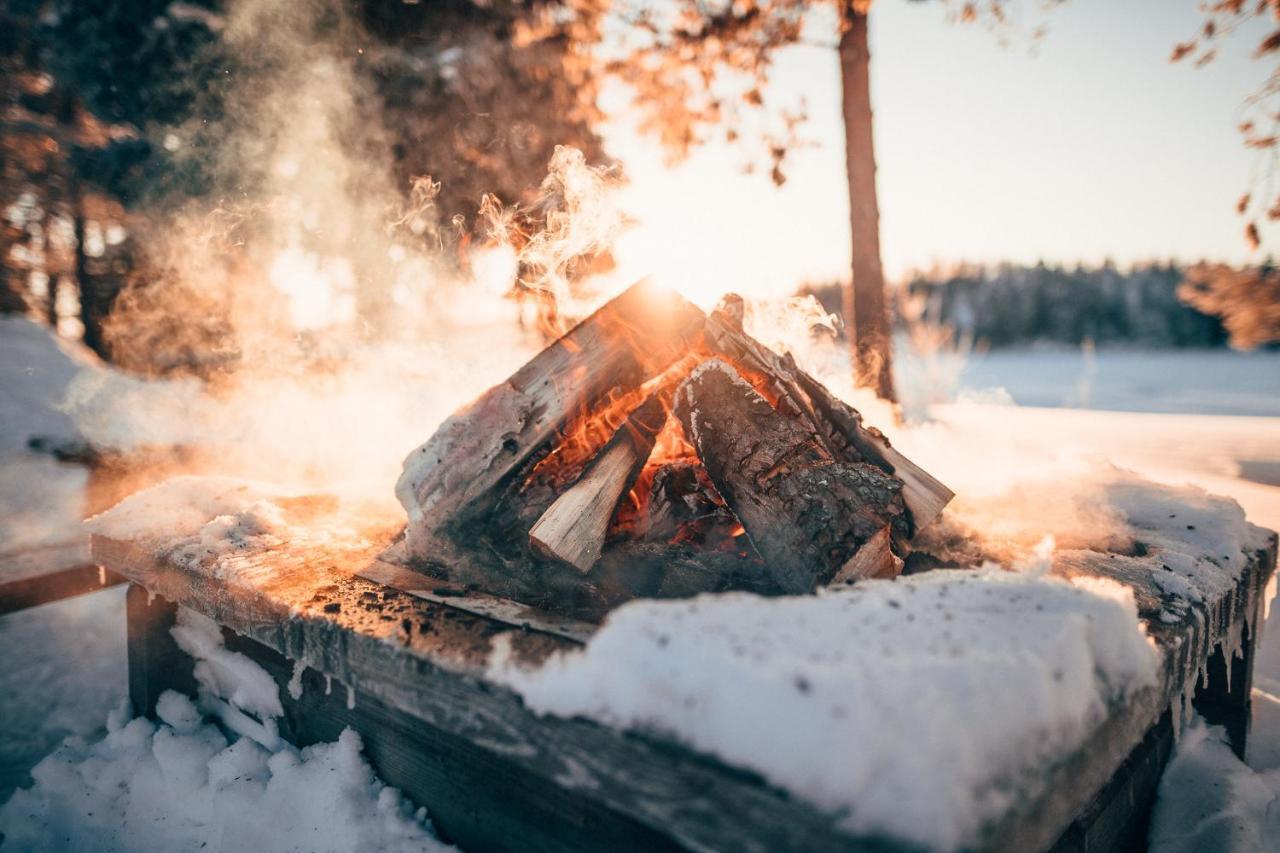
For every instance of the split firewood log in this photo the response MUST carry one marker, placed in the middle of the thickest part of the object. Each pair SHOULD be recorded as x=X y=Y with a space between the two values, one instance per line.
x=875 y=559
x=454 y=477
x=805 y=512
x=573 y=528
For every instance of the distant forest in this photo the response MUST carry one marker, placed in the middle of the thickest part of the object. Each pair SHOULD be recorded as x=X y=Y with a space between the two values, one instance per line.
x=1010 y=305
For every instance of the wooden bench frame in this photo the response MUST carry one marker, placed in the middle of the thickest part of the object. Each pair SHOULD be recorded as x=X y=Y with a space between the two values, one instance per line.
x=495 y=776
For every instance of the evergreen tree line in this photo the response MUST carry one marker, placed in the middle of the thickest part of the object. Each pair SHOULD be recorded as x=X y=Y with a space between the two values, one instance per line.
x=1012 y=305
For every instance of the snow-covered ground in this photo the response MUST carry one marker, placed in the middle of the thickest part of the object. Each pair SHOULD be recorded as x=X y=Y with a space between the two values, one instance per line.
x=1220 y=430
x=1176 y=381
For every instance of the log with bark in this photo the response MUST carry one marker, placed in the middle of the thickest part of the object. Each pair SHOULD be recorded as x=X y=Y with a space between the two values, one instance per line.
x=837 y=423
x=804 y=511
x=782 y=488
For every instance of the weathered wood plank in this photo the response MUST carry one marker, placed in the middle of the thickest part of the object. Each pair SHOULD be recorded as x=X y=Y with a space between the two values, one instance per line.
x=426 y=660
x=156 y=664
x=43 y=574
x=1184 y=648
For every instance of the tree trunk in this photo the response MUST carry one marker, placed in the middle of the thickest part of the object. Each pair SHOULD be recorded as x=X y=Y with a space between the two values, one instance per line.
x=46 y=260
x=95 y=295
x=865 y=311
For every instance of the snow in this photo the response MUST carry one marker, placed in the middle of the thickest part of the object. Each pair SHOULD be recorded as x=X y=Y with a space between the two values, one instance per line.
x=223 y=674
x=184 y=783
x=40 y=499
x=35 y=371
x=181 y=784
x=217 y=514
x=1179 y=381
x=70 y=669
x=906 y=681
x=1022 y=474
x=1211 y=801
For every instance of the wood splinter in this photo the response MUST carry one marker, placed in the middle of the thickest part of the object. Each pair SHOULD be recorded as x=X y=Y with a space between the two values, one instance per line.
x=573 y=528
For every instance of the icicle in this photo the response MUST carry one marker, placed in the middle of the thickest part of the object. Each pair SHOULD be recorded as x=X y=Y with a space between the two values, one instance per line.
x=102 y=576
x=351 y=698
x=328 y=685
x=295 y=682
x=1188 y=696
x=151 y=596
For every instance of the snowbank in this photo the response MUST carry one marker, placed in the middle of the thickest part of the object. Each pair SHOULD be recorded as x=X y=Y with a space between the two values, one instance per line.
x=186 y=784
x=886 y=703
x=71 y=668
x=36 y=369
x=1209 y=800
x=41 y=501
x=181 y=785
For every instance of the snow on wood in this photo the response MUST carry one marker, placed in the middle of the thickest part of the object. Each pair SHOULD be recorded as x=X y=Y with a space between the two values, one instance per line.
x=908 y=682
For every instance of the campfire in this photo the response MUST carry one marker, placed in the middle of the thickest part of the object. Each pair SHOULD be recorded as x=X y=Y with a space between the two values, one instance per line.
x=655 y=450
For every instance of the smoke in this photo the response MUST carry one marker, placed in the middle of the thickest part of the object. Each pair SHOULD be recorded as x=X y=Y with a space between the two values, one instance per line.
x=313 y=319
x=316 y=320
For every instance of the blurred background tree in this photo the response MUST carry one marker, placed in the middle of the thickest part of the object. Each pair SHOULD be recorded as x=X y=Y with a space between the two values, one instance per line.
x=120 y=113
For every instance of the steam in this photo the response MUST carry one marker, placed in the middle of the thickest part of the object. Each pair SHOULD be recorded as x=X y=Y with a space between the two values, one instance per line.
x=315 y=319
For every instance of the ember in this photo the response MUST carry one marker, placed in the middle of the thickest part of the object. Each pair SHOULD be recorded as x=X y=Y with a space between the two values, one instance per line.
x=658 y=451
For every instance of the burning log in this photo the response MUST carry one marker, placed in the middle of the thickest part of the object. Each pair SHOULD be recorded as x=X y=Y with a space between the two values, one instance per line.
x=453 y=477
x=573 y=528
x=683 y=506
x=805 y=512
x=549 y=490
x=838 y=423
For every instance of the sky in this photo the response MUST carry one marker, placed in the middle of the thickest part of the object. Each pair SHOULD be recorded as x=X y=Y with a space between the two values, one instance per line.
x=1086 y=145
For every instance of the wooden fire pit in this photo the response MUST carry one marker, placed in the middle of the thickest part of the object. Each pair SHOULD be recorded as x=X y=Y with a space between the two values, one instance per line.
x=405 y=658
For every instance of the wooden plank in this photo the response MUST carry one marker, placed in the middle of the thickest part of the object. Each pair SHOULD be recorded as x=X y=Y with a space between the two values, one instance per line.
x=475 y=797
x=1117 y=819
x=504 y=610
x=40 y=575
x=427 y=660
x=156 y=663
x=1184 y=647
